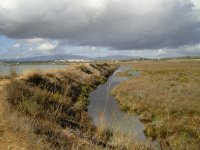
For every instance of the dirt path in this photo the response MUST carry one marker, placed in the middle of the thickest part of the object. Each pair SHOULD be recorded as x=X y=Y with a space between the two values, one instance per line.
x=8 y=139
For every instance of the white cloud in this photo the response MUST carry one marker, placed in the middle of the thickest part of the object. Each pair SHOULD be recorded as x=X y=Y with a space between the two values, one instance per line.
x=8 y=4
x=48 y=46
x=120 y=24
x=17 y=45
x=196 y=3
x=149 y=28
x=34 y=40
x=37 y=46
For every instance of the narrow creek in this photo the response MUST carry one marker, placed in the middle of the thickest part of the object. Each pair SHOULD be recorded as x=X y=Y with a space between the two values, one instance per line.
x=101 y=101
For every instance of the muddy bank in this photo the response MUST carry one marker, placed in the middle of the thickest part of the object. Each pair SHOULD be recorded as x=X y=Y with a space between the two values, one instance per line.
x=53 y=104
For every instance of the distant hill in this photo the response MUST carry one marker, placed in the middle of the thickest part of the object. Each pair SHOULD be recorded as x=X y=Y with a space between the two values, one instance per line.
x=116 y=57
x=49 y=58
x=65 y=57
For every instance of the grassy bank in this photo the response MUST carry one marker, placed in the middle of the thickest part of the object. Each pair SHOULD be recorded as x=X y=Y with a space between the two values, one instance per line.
x=166 y=96
x=51 y=106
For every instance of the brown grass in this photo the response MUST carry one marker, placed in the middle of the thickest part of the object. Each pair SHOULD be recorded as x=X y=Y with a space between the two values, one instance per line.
x=167 y=96
x=9 y=137
x=52 y=105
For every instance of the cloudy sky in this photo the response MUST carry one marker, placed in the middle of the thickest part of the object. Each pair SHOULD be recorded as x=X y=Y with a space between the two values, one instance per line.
x=148 y=28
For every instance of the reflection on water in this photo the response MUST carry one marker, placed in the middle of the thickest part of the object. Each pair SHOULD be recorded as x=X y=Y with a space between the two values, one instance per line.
x=102 y=101
x=5 y=69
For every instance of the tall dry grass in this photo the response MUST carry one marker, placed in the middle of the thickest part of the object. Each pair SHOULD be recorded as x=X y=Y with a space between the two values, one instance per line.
x=167 y=97
x=52 y=106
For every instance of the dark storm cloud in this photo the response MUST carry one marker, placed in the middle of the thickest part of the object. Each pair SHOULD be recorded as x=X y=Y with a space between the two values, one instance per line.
x=119 y=24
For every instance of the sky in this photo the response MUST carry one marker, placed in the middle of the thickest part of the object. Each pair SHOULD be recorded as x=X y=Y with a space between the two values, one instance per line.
x=95 y=28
